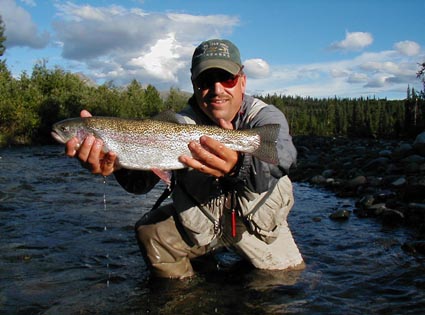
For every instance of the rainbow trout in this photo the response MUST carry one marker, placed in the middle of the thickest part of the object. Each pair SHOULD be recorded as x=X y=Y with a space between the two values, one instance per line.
x=147 y=144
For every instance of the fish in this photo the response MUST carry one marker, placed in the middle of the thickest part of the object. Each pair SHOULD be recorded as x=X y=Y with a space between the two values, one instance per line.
x=156 y=144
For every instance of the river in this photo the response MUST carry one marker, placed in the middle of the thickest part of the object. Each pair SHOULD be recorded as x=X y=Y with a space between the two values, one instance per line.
x=67 y=247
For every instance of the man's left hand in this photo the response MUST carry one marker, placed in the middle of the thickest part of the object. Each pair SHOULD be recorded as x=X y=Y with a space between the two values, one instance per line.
x=210 y=156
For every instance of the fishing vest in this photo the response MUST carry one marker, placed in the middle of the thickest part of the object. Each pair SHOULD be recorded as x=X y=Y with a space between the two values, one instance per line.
x=200 y=201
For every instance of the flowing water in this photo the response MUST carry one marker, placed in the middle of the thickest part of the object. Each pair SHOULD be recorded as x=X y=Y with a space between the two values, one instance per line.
x=63 y=250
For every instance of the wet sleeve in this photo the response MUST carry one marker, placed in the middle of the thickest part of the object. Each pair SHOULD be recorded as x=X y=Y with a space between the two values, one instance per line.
x=136 y=182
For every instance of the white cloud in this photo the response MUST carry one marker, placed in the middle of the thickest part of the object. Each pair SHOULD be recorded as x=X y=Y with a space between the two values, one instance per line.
x=20 y=29
x=338 y=73
x=79 y=13
x=162 y=60
x=256 y=68
x=153 y=48
x=354 y=41
x=378 y=81
x=408 y=48
x=357 y=77
x=382 y=66
x=368 y=74
x=30 y=3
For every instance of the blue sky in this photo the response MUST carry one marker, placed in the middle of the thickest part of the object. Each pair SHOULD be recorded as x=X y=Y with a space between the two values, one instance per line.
x=310 y=48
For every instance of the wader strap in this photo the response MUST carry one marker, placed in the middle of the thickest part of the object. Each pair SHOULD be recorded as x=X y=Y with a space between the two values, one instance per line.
x=250 y=215
x=217 y=227
x=165 y=194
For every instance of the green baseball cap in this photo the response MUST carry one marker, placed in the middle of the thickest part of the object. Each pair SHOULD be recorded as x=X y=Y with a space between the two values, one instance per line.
x=216 y=53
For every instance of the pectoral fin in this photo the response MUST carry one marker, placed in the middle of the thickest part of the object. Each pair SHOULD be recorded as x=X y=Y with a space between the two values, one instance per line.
x=164 y=175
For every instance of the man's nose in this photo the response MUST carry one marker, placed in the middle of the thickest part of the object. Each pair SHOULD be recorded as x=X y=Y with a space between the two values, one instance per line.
x=217 y=87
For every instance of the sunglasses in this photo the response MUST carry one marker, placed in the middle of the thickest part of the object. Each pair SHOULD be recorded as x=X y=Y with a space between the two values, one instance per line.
x=208 y=79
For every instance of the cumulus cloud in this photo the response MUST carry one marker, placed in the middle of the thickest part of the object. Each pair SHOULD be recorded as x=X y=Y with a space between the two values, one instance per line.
x=256 y=68
x=30 y=3
x=408 y=48
x=151 y=47
x=367 y=74
x=357 y=77
x=338 y=72
x=381 y=66
x=162 y=60
x=20 y=29
x=384 y=71
x=353 y=41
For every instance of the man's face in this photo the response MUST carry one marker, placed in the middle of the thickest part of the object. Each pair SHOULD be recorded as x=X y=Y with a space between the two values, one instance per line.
x=219 y=94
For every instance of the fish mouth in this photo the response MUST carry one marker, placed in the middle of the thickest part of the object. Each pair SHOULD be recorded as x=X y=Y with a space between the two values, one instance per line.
x=57 y=137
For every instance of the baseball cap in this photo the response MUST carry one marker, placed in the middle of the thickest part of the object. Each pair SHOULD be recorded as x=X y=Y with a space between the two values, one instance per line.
x=216 y=53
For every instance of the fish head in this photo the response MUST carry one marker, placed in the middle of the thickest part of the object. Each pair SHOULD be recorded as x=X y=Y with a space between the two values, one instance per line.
x=65 y=130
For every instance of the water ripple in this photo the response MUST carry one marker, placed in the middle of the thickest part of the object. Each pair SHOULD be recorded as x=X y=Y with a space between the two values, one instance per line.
x=64 y=253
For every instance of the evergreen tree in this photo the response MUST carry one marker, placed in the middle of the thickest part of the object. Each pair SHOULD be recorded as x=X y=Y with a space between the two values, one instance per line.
x=154 y=104
x=175 y=100
x=104 y=100
x=2 y=37
x=7 y=107
x=421 y=75
x=133 y=104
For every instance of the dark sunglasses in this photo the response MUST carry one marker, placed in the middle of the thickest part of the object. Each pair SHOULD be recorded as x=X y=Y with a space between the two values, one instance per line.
x=208 y=79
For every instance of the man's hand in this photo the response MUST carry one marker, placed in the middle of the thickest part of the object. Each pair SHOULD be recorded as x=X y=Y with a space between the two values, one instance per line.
x=210 y=156
x=90 y=153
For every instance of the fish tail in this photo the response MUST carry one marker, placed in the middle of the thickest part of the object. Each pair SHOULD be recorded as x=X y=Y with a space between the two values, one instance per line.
x=267 y=150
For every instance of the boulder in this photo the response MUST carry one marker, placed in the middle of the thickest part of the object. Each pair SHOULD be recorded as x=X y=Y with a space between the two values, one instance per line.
x=392 y=216
x=403 y=150
x=378 y=163
x=419 y=144
x=399 y=182
x=356 y=181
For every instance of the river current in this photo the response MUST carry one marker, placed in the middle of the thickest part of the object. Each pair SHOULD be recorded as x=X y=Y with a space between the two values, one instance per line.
x=67 y=246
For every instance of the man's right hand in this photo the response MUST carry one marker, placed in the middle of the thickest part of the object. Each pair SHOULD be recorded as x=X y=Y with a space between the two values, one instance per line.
x=90 y=153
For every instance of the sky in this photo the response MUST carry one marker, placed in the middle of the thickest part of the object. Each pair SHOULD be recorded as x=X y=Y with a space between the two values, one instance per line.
x=306 y=48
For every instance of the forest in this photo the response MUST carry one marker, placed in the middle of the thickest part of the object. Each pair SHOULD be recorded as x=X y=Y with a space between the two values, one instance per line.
x=30 y=104
x=357 y=117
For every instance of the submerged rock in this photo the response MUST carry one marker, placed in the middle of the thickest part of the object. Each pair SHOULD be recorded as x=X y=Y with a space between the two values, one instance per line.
x=414 y=247
x=340 y=215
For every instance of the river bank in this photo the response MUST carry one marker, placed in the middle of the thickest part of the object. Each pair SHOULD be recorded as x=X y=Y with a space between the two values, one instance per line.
x=385 y=177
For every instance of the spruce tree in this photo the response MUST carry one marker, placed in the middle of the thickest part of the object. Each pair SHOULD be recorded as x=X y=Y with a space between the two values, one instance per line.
x=2 y=37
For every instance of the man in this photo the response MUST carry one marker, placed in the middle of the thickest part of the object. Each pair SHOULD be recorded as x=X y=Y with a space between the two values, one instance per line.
x=223 y=198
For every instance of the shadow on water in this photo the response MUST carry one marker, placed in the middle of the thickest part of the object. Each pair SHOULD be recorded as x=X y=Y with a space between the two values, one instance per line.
x=63 y=252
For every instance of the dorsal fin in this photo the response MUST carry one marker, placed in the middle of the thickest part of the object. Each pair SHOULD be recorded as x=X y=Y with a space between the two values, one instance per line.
x=168 y=116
